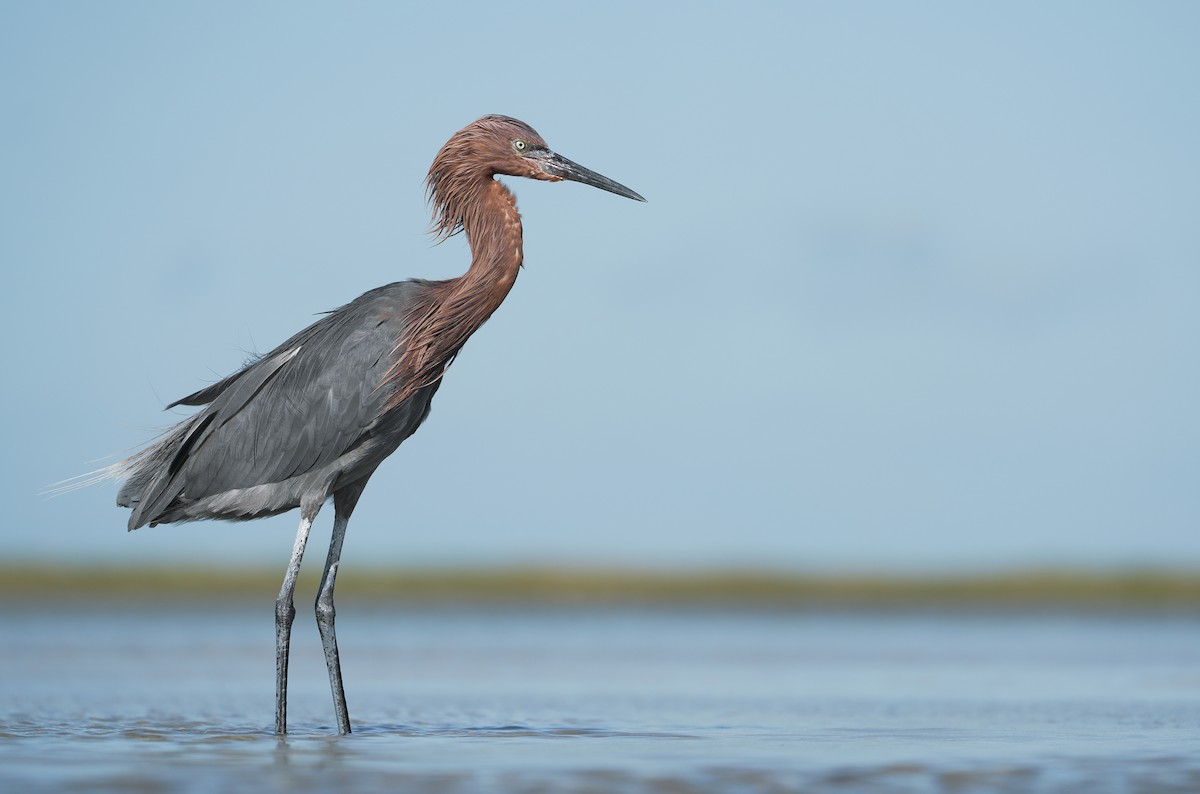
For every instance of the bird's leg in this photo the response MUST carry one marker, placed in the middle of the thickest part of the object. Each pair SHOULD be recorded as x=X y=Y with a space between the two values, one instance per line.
x=285 y=611
x=325 y=618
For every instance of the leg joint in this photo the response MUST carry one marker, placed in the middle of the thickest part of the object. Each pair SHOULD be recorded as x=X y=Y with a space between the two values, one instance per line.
x=285 y=611
x=325 y=610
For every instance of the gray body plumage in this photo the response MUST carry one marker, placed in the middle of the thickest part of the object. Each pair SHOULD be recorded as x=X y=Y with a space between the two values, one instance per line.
x=291 y=428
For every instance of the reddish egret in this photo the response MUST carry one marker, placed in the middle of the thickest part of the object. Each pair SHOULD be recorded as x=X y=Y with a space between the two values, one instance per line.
x=316 y=416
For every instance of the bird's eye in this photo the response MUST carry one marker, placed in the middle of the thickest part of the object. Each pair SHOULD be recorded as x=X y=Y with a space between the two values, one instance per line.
x=520 y=145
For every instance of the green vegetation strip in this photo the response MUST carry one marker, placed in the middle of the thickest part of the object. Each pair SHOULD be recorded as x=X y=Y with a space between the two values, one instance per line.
x=564 y=585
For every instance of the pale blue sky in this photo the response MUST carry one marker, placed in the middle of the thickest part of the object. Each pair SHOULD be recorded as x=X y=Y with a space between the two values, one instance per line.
x=917 y=285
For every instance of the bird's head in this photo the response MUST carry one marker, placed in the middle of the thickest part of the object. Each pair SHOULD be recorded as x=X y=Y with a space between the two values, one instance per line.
x=502 y=145
x=515 y=149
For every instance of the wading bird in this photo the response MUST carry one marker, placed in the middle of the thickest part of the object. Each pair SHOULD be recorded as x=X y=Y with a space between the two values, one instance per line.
x=316 y=416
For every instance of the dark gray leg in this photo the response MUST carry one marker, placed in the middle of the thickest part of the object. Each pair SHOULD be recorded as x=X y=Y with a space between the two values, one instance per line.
x=285 y=611
x=343 y=501
x=325 y=618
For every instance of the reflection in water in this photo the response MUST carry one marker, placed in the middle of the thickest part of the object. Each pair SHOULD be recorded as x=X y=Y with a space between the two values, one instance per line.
x=462 y=699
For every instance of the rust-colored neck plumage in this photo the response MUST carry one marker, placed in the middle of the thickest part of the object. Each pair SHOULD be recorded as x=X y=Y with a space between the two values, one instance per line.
x=466 y=198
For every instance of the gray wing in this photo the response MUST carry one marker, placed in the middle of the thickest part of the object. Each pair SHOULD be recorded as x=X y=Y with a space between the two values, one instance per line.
x=286 y=426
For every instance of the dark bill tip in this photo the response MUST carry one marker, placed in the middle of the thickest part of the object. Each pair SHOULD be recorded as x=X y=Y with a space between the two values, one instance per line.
x=560 y=166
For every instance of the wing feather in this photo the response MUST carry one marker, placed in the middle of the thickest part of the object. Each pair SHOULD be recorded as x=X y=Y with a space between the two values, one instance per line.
x=295 y=410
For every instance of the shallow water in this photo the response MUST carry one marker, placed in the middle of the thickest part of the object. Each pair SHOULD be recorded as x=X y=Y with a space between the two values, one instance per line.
x=146 y=698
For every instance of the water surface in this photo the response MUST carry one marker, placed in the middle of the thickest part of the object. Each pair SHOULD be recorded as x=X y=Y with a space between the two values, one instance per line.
x=143 y=697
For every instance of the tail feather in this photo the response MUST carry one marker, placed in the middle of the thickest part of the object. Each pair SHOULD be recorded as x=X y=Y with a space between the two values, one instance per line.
x=147 y=470
x=139 y=470
x=113 y=471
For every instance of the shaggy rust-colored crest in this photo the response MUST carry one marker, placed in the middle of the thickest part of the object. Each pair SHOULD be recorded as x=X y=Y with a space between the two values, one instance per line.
x=473 y=155
x=465 y=198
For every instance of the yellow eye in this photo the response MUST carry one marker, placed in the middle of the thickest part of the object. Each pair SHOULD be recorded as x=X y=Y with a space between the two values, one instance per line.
x=519 y=145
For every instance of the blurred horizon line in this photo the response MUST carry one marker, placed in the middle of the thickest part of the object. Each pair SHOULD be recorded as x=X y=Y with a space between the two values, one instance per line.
x=571 y=584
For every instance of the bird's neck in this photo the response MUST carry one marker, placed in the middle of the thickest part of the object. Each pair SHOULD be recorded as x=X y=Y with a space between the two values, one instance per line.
x=493 y=231
x=452 y=310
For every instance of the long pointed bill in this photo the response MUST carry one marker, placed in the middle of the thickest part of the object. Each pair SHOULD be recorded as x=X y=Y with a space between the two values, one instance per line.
x=557 y=165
